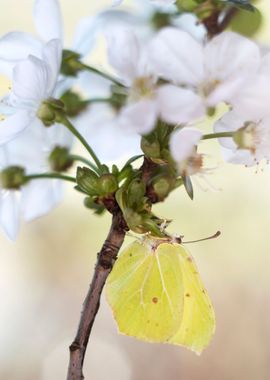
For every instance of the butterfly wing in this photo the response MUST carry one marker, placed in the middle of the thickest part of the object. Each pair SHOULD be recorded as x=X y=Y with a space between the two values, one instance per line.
x=145 y=291
x=198 y=323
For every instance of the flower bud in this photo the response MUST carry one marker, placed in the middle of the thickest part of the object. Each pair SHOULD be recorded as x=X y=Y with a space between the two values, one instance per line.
x=48 y=110
x=46 y=114
x=74 y=105
x=71 y=64
x=160 y=20
x=12 y=177
x=162 y=187
x=87 y=181
x=133 y=220
x=188 y=5
x=107 y=184
x=151 y=148
x=59 y=159
x=135 y=193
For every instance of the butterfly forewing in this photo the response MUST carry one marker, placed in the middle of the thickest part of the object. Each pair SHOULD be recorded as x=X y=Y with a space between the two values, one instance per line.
x=145 y=291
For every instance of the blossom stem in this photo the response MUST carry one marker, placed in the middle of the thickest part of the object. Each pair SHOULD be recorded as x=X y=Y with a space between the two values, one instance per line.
x=106 y=259
x=97 y=100
x=76 y=157
x=217 y=135
x=102 y=74
x=50 y=176
x=77 y=134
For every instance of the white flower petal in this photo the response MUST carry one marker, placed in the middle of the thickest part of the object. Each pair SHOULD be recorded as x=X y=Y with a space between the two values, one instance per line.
x=40 y=197
x=177 y=56
x=93 y=85
x=52 y=55
x=123 y=52
x=86 y=35
x=230 y=122
x=30 y=80
x=139 y=117
x=230 y=58
x=190 y=24
x=15 y=47
x=179 y=105
x=253 y=99
x=183 y=141
x=13 y=125
x=9 y=213
x=100 y=127
x=48 y=19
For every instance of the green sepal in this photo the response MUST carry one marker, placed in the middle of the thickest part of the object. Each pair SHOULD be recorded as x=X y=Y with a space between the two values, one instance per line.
x=188 y=186
x=12 y=178
x=90 y=203
x=87 y=181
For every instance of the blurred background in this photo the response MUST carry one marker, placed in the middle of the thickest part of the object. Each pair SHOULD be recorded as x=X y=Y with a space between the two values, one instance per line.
x=44 y=276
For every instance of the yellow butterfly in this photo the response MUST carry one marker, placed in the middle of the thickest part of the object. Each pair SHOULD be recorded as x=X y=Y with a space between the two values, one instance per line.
x=156 y=295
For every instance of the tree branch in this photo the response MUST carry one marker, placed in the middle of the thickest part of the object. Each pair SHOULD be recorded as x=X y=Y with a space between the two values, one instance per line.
x=106 y=259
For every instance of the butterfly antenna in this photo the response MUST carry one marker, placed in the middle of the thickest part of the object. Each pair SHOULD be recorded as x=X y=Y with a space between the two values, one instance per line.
x=217 y=234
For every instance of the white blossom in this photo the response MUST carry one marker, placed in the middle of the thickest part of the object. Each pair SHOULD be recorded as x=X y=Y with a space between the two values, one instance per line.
x=34 y=81
x=183 y=147
x=215 y=71
x=30 y=150
x=146 y=99
x=17 y=46
x=251 y=137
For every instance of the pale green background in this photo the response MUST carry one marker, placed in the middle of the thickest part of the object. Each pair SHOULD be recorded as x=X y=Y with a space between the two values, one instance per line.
x=45 y=274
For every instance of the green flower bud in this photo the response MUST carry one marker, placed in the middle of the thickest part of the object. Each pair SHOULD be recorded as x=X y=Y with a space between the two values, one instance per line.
x=71 y=64
x=117 y=99
x=187 y=5
x=135 y=193
x=160 y=20
x=87 y=181
x=48 y=111
x=59 y=159
x=107 y=184
x=133 y=220
x=12 y=177
x=163 y=186
x=150 y=147
x=46 y=114
x=74 y=105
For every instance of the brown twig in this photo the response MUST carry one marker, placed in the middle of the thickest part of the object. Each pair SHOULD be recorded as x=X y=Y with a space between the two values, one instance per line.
x=213 y=24
x=106 y=259
x=105 y=262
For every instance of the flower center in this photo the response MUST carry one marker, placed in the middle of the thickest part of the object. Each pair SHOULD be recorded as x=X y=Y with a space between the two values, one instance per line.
x=207 y=87
x=248 y=136
x=192 y=165
x=142 y=87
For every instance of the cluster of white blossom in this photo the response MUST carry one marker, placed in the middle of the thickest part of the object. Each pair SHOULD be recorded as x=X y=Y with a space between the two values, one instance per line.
x=175 y=75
